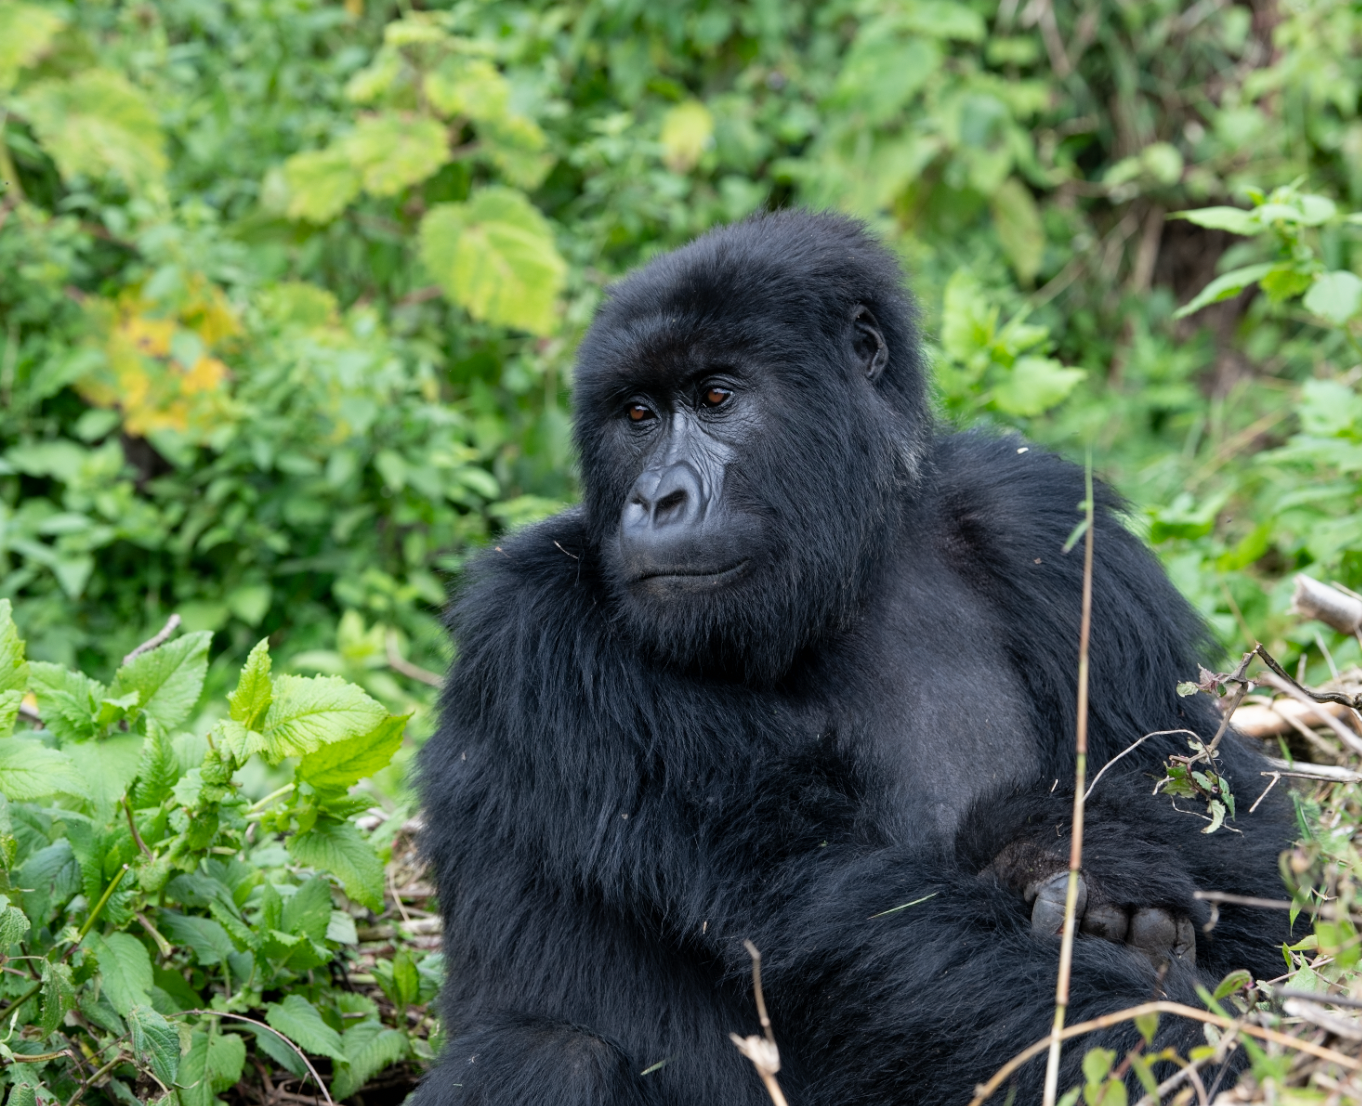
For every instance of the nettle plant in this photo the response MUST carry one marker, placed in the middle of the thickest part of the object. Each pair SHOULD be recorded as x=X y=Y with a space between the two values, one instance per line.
x=157 y=927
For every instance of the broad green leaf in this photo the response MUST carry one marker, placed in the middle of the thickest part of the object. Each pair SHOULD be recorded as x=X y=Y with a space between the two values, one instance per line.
x=968 y=320
x=1035 y=384
x=882 y=72
x=342 y=764
x=1217 y=812
x=30 y=770
x=58 y=996
x=298 y=1020
x=307 y=912
x=369 y=1048
x=13 y=668
x=213 y=1064
x=155 y=1042
x=942 y=19
x=108 y=766
x=10 y=702
x=168 y=679
x=1020 y=233
x=13 y=924
x=338 y=848
x=254 y=689
x=207 y=939
x=321 y=184
x=1233 y=219
x=26 y=30
x=687 y=131
x=393 y=151
x=68 y=701
x=97 y=124
x=1096 y=1063
x=1335 y=296
x=471 y=87
x=310 y=711
x=495 y=256
x=1226 y=286
x=124 y=968
x=157 y=772
x=1235 y=981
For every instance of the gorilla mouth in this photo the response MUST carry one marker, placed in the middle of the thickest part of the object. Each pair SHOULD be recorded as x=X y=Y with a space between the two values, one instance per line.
x=692 y=579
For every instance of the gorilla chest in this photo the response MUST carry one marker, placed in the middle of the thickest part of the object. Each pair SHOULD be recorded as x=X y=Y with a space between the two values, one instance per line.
x=929 y=705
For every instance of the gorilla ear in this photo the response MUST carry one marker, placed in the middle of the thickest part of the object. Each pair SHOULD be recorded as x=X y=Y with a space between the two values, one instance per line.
x=867 y=343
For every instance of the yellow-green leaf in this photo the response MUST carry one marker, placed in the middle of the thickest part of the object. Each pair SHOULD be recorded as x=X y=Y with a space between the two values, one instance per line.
x=25 y=33
x=308 y=712
x=320 y=184
x=687 y=131
x=342 y=764
x=13 y=667
x=392 y=151
x=495 y=256
x=1020 y=233
x=1035 y=384
x=254 y=690
x=98 y=124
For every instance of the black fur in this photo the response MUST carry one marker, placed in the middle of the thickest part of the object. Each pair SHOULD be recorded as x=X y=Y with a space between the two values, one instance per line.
x=622 y=789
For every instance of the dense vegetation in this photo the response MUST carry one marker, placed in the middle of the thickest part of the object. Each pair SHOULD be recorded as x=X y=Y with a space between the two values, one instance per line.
x=289 y=293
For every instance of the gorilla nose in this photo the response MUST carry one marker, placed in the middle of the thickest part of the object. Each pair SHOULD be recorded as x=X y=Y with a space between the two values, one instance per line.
x=671 y=498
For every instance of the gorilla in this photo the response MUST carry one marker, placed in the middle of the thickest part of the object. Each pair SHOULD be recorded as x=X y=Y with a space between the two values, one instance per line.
x=802 y=670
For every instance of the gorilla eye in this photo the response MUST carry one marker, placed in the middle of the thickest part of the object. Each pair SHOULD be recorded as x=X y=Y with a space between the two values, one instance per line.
x=638 y=412
x=717 y=397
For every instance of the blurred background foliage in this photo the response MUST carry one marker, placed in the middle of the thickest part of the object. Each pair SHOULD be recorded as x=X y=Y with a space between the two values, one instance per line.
x=289 y=289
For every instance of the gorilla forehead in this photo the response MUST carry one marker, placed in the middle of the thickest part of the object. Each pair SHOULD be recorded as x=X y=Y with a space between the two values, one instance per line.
x=778 y=289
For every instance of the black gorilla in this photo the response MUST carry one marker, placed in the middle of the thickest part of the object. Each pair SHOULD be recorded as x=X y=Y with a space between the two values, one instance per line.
x=801 y=658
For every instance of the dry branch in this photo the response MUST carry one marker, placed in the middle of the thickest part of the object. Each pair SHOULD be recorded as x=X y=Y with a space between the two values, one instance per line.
x=1269 y=720
x=1327 y=604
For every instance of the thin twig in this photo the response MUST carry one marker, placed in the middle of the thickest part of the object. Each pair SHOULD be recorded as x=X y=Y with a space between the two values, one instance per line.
x=762 y=1051
x=1307 y=771
x=172 y=624
x=1289 y=687
x=1066 y=944
x=269 y=1028
x=398 y=663
x=986 y=1091
x=1131 y=748
x=1276 y=778
x=132 y=825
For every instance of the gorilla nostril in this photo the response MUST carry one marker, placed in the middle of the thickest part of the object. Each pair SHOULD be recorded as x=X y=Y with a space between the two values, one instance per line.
x=671 y=501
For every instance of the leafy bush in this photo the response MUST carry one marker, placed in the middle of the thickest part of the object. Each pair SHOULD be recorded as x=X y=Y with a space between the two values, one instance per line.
x=158 y=926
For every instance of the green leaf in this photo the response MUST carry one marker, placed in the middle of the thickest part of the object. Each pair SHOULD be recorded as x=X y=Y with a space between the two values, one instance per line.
x=169 y=678
x=369 y=1048
x=98 y=124
x=495 y=256
x=124 y=969
x=213 y=1064
x=1233 y=219
x=394 y=151
x=254 y=688
x=307 y=912
x=157 y=772
x=108 y=766
x=1235 y=981
x=58 y=996
x=299 y=1021
x=321 y=183
x=1226 y=287
x=882 y=72
x=155 y=1042
x=30 y=770
x=68 y=701
x=342 y=764
x=13 y=668
x=687 y=131
x=13 y=925
x=307 y=712
x=1035 y=384
x=338 y=848
x=1096 y=1063
x=26 y=30
x=1017 y=219
x=205 y=937
x=1335 y=296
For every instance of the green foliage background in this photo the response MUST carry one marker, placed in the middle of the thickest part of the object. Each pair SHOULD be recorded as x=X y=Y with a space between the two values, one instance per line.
x=289 y=293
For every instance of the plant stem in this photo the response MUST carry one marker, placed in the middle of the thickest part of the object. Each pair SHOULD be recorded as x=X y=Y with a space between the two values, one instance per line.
x=99 y=909
x=1066 y=946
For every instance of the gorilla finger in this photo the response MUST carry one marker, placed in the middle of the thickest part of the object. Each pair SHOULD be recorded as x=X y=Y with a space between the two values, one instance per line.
x=1047 y=915
x=1107 y=921
x=1154 y=931
x=1184 y=946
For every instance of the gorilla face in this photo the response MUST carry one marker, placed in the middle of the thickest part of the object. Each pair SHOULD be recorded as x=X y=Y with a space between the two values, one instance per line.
x=745 y=440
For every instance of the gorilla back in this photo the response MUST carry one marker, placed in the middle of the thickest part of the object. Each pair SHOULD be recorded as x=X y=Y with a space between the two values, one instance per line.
x=802 y=658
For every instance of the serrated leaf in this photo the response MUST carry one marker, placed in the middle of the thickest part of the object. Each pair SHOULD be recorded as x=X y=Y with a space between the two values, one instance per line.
x=97 y=123
x=1226 y=287
x=108 y=766
x=1034 y=385
x=1017 y=220
x=124 y=970
x=155 y=1043
x=205 y=937
x=26 y=30
x=321 y=183
x=1335 y=296
x=495 y=256
x=369 y=1047
x=30 y=770
x=338 y=848
x=168 y=679
x=342 y=764
x=13 y=924
x=394 y=151
x=157 y=772
x=10 y=702
x=308 y=712
x=68 y=701
x=299 y=1021
x=254 y=688
x=307 y=912
x=212 y=1064
x=58 y=996
x=13 y=668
